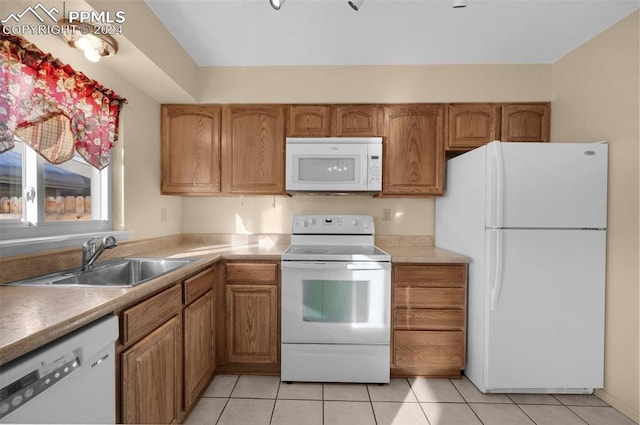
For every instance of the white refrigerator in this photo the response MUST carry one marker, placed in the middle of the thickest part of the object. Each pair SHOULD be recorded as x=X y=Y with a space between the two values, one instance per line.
x=532 y=217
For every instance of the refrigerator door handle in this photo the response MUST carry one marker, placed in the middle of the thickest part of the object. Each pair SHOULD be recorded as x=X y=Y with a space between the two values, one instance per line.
x=496 y=203
x=496 y=287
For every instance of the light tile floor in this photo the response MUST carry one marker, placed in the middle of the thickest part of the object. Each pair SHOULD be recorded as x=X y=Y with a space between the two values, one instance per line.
x=264 y=400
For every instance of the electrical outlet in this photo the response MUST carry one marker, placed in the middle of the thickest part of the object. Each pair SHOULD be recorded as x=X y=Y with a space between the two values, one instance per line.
x=386 y=214
x=163 y=214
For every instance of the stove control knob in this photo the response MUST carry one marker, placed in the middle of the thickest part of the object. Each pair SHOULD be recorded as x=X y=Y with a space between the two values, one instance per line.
x=365 y=224
x=354 y=222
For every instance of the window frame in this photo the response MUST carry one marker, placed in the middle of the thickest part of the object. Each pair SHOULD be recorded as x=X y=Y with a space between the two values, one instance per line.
x=33 y=233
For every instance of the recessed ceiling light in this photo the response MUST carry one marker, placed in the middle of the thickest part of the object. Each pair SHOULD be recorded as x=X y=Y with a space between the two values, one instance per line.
x=459 y=3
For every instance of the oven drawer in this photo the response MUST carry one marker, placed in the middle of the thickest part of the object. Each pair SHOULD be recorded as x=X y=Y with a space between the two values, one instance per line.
x=262 y=273
x=429 y=352
x=420 y=297
x=428 y=319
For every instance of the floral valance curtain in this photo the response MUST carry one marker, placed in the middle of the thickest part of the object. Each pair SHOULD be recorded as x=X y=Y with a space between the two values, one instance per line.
x=53 y=108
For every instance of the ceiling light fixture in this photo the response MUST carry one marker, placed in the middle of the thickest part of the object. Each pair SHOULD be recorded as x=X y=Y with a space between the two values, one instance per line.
x=276 y=4
x=355 y=4
x=89 y=39
x=457 y=4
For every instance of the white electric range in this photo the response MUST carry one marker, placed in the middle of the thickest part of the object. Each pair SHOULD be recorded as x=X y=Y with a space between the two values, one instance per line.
x=336 y=302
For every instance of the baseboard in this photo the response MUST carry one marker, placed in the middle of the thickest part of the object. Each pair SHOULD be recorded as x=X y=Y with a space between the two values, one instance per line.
x=623 y=408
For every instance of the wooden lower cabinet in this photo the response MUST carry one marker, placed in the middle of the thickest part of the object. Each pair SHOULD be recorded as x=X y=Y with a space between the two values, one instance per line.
x=429 y=319
x=249 y=339
x=199 y=334
x=252 y=333
x=199 y=348
x=166 y=352
x=151 y=377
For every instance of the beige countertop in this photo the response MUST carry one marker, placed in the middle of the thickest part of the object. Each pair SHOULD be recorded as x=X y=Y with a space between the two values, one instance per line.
x=33 y=316
x=422 y=254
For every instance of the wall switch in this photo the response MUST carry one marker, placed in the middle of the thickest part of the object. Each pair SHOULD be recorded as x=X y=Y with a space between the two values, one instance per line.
x=386 y=214
x=163 y=214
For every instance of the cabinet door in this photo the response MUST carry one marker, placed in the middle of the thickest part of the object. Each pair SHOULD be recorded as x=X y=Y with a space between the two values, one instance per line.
x=252 y=323
x=525 y=122
x=472 y=125
x=253 y=149
x=357 y=120
x=309 y=121
x=413 y=153
x=199 y=347
x=190 y=149
x=151 y=378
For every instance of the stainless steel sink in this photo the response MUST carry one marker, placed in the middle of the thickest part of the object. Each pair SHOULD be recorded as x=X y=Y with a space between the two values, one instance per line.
x=123 y=272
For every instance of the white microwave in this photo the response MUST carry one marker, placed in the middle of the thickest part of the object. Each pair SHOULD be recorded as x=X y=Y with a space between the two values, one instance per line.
x=334 y=164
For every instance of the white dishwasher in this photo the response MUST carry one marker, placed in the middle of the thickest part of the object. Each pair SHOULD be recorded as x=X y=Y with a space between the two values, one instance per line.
x=70 y=380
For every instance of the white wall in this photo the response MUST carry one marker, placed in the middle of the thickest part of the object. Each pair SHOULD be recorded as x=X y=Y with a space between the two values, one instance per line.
x=136 y=161
x=344 y=84
x=595 y=97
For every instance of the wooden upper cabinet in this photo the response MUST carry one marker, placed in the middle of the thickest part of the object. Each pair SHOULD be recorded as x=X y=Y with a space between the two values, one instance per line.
x=357 y=120
x=413 y=153
x=333 y=121
x=471 y=125
x=190 y=149
x=526 y=122
x=253 y=149
x=309 y=121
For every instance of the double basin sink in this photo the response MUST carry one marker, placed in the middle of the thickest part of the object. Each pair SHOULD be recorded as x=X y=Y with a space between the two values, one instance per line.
x=122 y=272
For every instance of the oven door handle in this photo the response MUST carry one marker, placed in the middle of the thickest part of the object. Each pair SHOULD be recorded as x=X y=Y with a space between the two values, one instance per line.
x=333 y=265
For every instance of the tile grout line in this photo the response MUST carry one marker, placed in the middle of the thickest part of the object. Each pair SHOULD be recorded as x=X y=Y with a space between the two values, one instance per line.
x=275 y=400
x=375 y=420
x=419 y=402
x=322 y=395
x=228 y=398
x=465 y=400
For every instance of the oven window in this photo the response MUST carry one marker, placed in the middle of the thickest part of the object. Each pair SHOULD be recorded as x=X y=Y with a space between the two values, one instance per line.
x=335 y=301
x=327 y=170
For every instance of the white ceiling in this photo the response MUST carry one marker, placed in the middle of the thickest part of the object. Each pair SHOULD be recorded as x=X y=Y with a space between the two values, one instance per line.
x=385 y=32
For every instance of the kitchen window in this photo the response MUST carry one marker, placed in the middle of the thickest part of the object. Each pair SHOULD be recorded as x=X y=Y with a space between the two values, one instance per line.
x=57 y=129
x=39 y=199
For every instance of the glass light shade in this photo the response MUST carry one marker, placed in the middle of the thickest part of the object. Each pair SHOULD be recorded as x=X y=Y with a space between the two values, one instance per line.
x=92 y=55
x=83 y=43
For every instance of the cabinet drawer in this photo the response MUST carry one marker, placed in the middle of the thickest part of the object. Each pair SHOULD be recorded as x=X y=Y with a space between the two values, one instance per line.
x=429 y=352
x=449 y=275
x=197 y=285
x=428 y=319
x=143 y=318
x=408 y=296
x=252 y=272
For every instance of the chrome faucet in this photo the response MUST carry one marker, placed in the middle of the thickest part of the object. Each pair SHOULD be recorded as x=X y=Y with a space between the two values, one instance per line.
x=93 y=248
